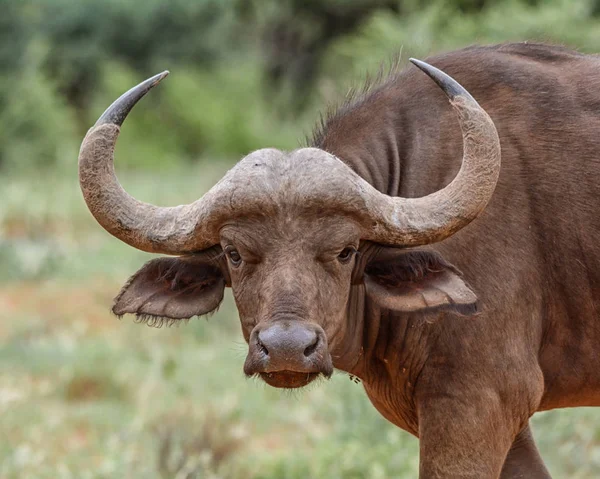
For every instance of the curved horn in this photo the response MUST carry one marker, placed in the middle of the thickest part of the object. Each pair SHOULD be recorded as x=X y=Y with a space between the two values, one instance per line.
x=172 y=230
x=432 y=218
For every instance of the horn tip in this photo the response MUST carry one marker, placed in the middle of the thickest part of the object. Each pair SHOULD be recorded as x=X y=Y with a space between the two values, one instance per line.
x=118 y=111
x=449 y=85
x=161 y=76
x=421 y=65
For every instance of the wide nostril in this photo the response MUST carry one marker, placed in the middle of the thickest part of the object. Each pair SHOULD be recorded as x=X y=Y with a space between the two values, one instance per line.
x=261 y=347
x=311 y=348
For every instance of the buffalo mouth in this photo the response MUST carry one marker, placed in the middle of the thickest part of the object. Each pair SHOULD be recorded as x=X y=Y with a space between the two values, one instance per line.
x=289 y=379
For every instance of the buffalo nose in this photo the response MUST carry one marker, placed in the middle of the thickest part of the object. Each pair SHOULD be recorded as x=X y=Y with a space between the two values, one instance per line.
x=288 y=341
x=288 y=346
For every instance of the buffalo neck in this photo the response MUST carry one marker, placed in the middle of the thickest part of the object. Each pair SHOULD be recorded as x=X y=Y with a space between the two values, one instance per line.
x=403 y=145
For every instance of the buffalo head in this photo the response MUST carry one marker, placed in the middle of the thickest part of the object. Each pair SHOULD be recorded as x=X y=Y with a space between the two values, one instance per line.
x=293 y=233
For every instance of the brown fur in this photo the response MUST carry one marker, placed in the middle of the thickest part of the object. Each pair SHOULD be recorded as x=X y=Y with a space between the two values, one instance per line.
x=466 y=386
x=531 y=257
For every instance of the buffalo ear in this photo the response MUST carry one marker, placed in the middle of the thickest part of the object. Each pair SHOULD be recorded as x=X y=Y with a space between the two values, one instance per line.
x=409 y=281
x=168 y=289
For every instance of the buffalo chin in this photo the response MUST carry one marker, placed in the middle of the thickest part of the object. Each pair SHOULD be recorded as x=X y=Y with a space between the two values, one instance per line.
x=288 y=379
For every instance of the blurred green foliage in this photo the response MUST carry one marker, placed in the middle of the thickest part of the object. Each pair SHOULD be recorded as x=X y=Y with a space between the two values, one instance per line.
x=246 y=73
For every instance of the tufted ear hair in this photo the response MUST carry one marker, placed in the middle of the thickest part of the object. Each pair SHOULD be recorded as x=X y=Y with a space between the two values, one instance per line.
x=417 y=280
x=171 y=289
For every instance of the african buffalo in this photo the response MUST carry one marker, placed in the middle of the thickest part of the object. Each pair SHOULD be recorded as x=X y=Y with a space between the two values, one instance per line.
x=357 y=253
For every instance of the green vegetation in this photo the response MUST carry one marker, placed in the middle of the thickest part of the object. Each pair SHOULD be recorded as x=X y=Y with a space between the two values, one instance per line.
x=245 y=74
x=85 y=395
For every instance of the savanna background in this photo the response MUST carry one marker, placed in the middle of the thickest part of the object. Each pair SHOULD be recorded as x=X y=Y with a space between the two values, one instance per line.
x=85 y=395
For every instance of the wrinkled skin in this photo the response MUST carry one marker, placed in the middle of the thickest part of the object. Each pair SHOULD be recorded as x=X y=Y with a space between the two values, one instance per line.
x=290 y=271
x=402 y=320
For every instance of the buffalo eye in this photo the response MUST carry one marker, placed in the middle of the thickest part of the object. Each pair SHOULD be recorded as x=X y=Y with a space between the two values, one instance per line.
x=346 y=254
x=234 y=257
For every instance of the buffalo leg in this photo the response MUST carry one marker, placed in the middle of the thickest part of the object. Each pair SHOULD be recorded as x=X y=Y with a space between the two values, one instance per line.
x=463 y=438
x=524 y=460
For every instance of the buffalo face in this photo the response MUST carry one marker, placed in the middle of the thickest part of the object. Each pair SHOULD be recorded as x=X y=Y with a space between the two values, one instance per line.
x=291 y=279
x=297 y=281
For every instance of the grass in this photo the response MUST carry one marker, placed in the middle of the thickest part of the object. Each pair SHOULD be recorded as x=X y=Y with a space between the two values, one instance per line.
x=85 y=395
